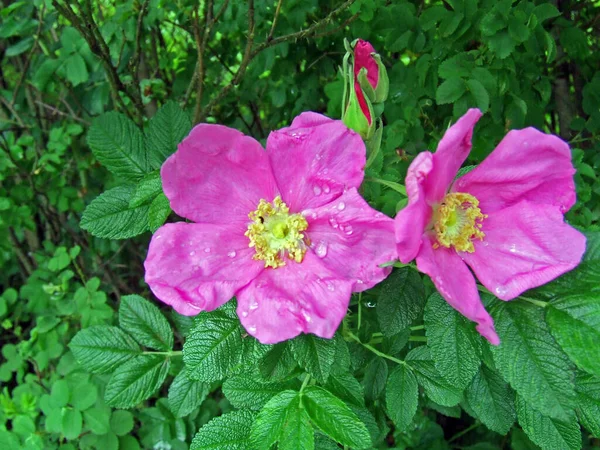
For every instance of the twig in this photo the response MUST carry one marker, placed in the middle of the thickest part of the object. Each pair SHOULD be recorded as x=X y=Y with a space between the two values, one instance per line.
x=61 y=113
x=275 y=16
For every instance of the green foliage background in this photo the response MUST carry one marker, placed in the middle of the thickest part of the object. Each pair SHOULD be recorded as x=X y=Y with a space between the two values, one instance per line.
x=95 y=95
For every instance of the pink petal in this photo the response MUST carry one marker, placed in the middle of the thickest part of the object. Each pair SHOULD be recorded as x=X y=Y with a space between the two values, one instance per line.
x=197 y=267
x=525 y=245
x=526 y=165
x=352 y=239
x=411 y=221
x=296 y=298
x=451 y=152
x=217 y=174
x=363 y=58
x=314 y=161
x=456 y=284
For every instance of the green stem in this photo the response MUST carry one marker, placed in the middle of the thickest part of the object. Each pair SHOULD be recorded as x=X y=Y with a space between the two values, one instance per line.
x=533 y=301
x=417 y=328
x=465 y=431
x=305 y=382
x=395 y=186
x=359 y=310
x=417 y=338
x=374 y=350
x=170 y=354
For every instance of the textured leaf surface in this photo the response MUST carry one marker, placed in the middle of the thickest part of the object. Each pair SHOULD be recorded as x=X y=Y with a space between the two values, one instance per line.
x=227 y=432
x=109 y=215
x=454 y=344
x=401 y=396
x=185 y=395
x=587 y=388
x=269 y=423
x=145 y=323
x=244 y=392
x=101 y=349
x=346 y=387
x=147 y=189
x=315 y=354
x=165 y=131
x=160 y=208
x=297 y=431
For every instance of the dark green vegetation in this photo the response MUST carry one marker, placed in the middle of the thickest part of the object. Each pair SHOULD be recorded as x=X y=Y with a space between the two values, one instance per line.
x=89 y=86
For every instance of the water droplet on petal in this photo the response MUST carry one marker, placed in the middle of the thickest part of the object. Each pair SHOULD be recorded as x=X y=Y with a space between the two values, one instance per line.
x=244 y=313
x=207 y=250
x=231 y=254
x=321 y=249
x=500 y=290
x=317 y=190
x=253 y=305
x=192 y=253
x=485 y=243
x=348 y=230
x=326 y=189
x=341 y=206
x=252 y=329
x=512 y=248
x=333 y=222
x=330 y=287
x=158 y=236
x=314 y=215
x=306 y=316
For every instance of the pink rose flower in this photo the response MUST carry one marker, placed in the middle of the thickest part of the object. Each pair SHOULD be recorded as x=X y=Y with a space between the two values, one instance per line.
x=504 y=219
x=284 y=230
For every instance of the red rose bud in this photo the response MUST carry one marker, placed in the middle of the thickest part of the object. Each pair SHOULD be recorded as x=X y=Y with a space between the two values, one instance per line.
x=370 y=72
x=358 y=114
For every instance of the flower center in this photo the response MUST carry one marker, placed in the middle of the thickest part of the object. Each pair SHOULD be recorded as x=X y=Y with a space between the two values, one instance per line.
x=275 y=233
x=457 y=221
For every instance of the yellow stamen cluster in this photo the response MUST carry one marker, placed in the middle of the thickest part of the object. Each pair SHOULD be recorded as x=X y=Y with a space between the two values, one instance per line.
x=275 y=233
x=458 y=221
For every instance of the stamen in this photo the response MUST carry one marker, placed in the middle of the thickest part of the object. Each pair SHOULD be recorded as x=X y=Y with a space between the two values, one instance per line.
x=457 y=222
x=275 y=233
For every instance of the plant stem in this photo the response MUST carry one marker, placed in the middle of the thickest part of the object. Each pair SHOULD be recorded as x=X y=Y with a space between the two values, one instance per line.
x=374 y=350
x=417 y=338
x=417 y=328
x=465 y=431
x=395 y=186
x=359 y=310
x=170 y=354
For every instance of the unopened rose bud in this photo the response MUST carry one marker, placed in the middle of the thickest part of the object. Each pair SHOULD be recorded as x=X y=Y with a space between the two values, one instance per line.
x=370 y=72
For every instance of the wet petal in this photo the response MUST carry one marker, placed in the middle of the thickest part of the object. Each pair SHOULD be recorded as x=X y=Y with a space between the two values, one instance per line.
x=314 y=160
x=352 y=239
x=411 y=221
x=526 y=165
x=217 y=174
x=197 y=267
x=456 y=284
x=296 y=298
x=525 y=245
x=451 y=152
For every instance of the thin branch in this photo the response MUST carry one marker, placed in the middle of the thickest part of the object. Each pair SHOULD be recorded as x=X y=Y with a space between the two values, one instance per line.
x=137 y=53
x=275 y=16
x=61 y=113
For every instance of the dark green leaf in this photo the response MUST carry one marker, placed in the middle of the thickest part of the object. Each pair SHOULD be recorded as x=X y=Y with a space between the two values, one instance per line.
x=270 y=421
x=185 y=395
x=142 y=320
x=315 y=354
x=165 y=131
x=227 y=432
x=244 y=392
x=401 y=396
x=587 y=389
x=450 y=91
x=147 y=189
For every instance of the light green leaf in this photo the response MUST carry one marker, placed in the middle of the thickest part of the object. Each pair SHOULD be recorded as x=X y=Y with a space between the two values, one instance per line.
x=121 y=422
x=450 y=90
x=185 y=395
x=213 y=347
x=101 y=349
x=492 y=400
x=270 y=421
x=230 y=431
x=147 y=189
x=109 y=215
x=160 y=208
x=136 y=380
x=315 y=354
x=165 y=131
x=574 y=321
x=245 y=392
x=454 y=344
x=530 y=360
x=97 y=419
x=297 y=431
x=72 y=423
x=76 y=69
x=436 y=387
x=587 y=389
x=145 y=323
x=334 y=418
x=401 y=300
x=547 y=432
x=118 y=144
x=401 y=396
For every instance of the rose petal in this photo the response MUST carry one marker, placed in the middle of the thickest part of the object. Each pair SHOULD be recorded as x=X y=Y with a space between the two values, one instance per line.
x=296 y=298
x=456 y=284
x=525 y=246
x=197 y=267
x=451 y=152
x=217 y=175
x=411 y=221
x=363 y=58
x=526 y=165
x=314 y=164
x=352 y=239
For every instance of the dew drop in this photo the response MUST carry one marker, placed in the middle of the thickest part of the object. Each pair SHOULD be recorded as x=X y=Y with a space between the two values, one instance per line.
x=253 y=305
x=314 y=215
x=371 y=304
x=231 y=254
x=316 y=190
x=306 y=316
x=348 y=230
x=321 y=249
x=252 y=329
x=341 y=206
x=513 y=248
x=207 y=250
x=158 y=236
x=192 y=253
x=330 y=287
x=500 y=290
x=326 y=189
x=333 y=222
x=244 y=313
x=485 y=243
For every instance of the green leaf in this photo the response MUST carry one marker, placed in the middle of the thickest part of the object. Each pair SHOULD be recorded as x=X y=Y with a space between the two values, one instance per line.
x=587 y=389
x=227 y=432
x=160 y=208
x=545 y=11
x=109 y=215
x=269 y=423
x=118 y=144
x=502 y=44
x=436 y=387
x=72 y=423
x=346 y=387
x=278 y=363
x=492 y=400
x=454 y=344
x=186 y=395
x=121 y=422
x=315 y=354
x=60 y=393
x=480 y=94
x=245 y=392
x=530 y=360
x=401 y=396
x=213 y=347
x=458 y=66
x=450 y=90
x=547 y=432
x=145 y=323
x=401 y=300
x=297 y=431
x=76 y=69
x=101 y=349
x=97 y=419
x=84 y=395
x=376 y=373
x=147 y=189
x=334 y=418
x=574 y=321
x=166 y=129
x=136 y=380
